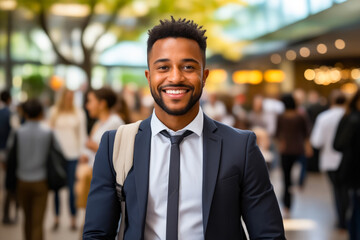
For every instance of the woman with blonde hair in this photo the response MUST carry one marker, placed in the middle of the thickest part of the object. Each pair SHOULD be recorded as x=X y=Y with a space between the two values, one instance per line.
x=69 y=125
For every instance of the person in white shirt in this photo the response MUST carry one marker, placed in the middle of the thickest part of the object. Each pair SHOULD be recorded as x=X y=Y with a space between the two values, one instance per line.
x=69 y=125
x=322 y=138
x=99 y=104
x=214 y=108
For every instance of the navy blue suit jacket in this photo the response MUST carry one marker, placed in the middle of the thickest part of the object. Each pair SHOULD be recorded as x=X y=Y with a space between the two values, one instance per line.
x=235 y=184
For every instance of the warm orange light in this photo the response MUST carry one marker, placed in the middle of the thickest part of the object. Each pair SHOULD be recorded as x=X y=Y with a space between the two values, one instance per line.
x=246 y=76
x=217 y=76
x=349 y=88
x=309 y=74
x=255 y=77
x=304 y=52
x=56 y=83
x=240 y=77
x=274 y=76
x=8 y=5
x=216 y=80
x=355 y=73
x=340 y=44
x=275 y=58
x=291 y=55
x=70 y=9
x=321 y=48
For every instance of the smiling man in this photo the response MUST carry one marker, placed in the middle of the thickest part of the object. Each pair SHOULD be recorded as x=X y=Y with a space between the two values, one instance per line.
x=192 y=177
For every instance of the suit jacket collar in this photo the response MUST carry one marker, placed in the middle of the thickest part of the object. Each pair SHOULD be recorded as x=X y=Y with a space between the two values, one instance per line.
x=212 y=145
x=211 y=162
x=141 y=168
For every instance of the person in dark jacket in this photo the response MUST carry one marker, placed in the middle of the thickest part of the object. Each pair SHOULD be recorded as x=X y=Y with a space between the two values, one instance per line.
x=347 y=141
x=292 y=134
x=5 y=130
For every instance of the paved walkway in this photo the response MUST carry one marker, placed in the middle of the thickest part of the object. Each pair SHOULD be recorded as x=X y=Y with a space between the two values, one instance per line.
x=312 y=216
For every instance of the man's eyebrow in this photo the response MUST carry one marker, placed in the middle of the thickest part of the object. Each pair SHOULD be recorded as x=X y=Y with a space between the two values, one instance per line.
x=162 y=60
x=190 y=60
x=183 y=60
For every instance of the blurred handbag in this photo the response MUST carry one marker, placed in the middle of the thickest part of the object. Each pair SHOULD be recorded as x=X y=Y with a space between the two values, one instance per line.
x=56 y=166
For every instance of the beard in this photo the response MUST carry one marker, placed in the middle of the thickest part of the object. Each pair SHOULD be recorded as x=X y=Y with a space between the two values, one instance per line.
x=159 y=101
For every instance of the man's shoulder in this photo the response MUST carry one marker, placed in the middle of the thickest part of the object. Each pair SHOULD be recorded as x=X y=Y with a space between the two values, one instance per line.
x=330 y=114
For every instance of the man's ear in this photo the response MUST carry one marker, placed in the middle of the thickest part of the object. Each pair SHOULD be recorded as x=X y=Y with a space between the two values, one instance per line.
x=205 y=76
x=147 y=75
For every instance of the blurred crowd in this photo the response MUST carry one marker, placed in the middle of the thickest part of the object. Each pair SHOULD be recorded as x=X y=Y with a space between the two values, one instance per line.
x=320 y=133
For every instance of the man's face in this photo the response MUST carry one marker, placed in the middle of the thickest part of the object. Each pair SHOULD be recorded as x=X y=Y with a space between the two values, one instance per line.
x=176 y=75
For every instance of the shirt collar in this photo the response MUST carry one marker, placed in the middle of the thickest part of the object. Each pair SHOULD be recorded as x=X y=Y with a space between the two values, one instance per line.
x=196 y=126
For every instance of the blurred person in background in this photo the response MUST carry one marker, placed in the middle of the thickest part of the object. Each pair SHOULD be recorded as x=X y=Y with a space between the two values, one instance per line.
x=264 y=142
x=133 y=97
x=256 y=116
x=31 y=145
x=239 y=112
x=292 y=135
x=314 y=106
x=69 y=125
x=300 y=100
x=99 y=105
x=5 y=130
x=322 y=138
x=299 y=95
x=229 y=118
x=122 y=109
x=272 y=108
x=5 y=125
x=214 y=108
x=347 y=141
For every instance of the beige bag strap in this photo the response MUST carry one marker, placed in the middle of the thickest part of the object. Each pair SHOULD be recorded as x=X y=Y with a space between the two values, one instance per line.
x=124 y=150
x=123 y=153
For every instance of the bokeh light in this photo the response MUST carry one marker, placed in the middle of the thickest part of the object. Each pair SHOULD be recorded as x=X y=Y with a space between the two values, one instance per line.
x=321 y=48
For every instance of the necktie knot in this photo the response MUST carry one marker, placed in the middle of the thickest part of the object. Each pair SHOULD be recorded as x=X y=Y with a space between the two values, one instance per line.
x=176 y=139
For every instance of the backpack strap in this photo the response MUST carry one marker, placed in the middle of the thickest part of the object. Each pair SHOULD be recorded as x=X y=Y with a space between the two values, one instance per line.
x=123 y=153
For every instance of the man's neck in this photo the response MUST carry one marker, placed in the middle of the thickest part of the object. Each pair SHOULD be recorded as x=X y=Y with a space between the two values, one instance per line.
x=175 y=122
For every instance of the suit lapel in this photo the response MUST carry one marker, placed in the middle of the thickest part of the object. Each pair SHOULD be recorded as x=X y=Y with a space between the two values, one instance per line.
x=211 y=162
x=141 y=167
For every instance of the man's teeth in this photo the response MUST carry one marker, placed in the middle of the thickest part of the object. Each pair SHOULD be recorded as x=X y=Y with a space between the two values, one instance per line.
x=175 y=91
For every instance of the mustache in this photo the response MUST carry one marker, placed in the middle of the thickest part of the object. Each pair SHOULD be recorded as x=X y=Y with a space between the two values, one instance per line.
x=160 y=88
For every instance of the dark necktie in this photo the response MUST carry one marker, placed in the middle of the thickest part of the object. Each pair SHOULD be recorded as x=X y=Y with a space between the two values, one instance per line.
x=173 y=187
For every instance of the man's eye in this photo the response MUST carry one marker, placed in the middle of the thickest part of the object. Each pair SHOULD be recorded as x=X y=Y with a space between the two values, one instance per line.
x=189 y=67
x=162 y=67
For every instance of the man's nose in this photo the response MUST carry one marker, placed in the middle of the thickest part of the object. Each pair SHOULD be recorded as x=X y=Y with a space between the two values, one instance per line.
x=175 y=75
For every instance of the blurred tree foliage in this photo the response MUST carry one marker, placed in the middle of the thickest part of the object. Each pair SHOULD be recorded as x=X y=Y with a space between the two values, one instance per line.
x=33 y=85
x=127 y=20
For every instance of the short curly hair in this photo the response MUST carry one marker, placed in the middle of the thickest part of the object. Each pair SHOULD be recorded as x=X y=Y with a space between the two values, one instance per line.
x=177 y=28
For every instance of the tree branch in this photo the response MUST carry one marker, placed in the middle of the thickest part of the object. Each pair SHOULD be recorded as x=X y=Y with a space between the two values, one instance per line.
x=109 y=22
x=86 y=51
x=44 y=26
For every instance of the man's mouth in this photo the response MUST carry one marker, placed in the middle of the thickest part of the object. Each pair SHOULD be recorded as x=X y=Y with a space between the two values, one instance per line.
x=175 y=91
